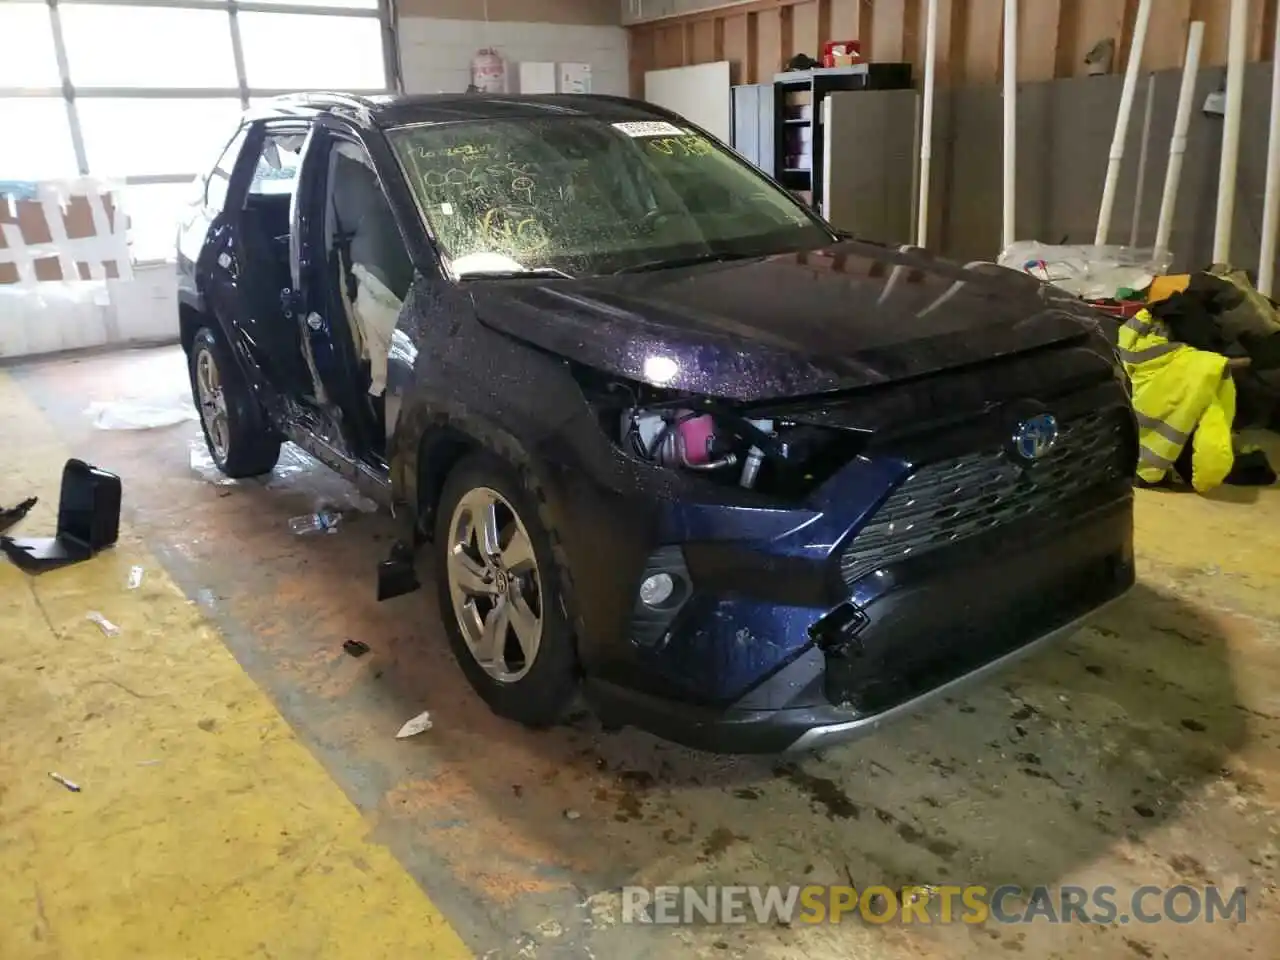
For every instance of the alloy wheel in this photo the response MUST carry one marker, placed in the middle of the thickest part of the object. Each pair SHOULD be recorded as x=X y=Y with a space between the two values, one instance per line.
x=494 y=584
x=213 y=404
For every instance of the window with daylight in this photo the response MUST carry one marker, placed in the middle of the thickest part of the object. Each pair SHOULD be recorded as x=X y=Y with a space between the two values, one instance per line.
x=147 y=93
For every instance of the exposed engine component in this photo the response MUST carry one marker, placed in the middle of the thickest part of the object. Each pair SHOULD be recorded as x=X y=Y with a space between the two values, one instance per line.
x=772 y=453
x=693 y=440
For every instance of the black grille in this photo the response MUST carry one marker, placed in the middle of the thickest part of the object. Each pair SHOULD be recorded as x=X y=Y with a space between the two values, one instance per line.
x=955 y=499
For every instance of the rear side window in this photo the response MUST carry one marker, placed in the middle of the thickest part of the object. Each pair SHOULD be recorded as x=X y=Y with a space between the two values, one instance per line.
x=219 y=182
x=277 y=168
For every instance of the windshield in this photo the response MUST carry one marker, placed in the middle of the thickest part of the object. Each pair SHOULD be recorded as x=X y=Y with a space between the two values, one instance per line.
x=585 y=197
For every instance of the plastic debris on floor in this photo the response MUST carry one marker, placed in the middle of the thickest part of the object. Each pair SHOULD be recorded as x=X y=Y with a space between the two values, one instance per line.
x=105 y=625
x=293 y=462
x=141 y=414
x=297 y=471
x=1088 y=271
x=70 y=785
x=325 y=520
x=202 y=465
x=419 y=724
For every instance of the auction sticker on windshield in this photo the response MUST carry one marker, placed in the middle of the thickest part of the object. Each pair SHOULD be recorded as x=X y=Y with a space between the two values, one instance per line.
x=649 y=128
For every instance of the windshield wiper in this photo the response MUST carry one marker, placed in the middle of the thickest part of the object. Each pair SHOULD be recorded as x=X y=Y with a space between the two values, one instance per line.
x=674 y=262
x=537 y=273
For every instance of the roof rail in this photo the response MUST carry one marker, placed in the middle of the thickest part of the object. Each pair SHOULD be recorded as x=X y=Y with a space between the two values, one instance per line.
x=326 y=98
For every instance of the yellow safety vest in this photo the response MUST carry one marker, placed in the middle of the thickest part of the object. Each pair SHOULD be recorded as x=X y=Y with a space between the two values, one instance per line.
x=1179 y=394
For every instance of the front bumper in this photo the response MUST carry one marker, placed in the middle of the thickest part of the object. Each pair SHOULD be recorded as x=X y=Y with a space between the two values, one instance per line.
x=931 y=626
x=798 y=729
x=831 y=731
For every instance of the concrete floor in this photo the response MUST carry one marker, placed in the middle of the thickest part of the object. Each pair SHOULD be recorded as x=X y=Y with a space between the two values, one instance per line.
x=244 y=795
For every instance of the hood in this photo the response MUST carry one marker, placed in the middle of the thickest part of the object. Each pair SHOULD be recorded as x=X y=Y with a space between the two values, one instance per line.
x=843 y=317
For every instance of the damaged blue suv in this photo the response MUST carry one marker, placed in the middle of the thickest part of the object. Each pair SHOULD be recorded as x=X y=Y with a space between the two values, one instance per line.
x=670 y=440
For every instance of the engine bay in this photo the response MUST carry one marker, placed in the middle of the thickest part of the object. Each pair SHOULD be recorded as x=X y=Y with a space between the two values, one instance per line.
x=723 y=442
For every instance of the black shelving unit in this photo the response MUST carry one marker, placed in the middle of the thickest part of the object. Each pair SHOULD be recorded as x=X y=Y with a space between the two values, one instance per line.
x=797 y=103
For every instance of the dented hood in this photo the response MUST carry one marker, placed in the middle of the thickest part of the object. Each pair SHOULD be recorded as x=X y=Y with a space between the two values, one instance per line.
x=848 y=316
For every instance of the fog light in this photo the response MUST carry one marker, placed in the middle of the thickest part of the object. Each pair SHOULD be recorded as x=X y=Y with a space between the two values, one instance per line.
x=657 y=589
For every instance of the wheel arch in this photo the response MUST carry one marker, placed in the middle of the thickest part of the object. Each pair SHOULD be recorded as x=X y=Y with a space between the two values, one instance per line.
x=444 y=443
x=190 y=319
x=445 y=439
x=440 y=449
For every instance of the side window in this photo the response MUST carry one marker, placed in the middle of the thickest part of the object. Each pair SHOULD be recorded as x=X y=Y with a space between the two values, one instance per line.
x=219 y=181
x=277 y=169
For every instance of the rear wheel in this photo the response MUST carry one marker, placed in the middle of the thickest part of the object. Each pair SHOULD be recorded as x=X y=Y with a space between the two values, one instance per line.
x=239 y=441
x=498 y=594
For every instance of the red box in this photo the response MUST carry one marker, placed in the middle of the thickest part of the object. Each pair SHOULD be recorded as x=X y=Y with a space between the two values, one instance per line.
x=852 y=47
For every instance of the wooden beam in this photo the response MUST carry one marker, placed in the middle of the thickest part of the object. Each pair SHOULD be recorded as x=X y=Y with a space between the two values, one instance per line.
x=768 y=44
x=1099 y=20
x=983 y=48
x=950 y=53
x=959 y=40
x=1269 y=27
x=1039 y=27
x=640 y=58
x=1064 y=55
x=913 y=35
x=702 y=43
x=1258 y=39
x=786 y=35
x=1166 y=43
x=1128 y=18
x=668 y=47
x=843 y=19
x=805 y=36
x=888 y=26
x=753 y=48
x=737 y=48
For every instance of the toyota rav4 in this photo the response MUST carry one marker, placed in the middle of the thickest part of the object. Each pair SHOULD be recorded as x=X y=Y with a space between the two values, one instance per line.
x=675 y=443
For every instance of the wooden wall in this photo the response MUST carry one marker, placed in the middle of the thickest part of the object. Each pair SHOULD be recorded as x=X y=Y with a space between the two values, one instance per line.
x=757 y=38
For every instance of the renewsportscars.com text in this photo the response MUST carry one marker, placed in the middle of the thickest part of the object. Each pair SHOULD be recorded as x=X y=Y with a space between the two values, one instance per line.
x=1181 y=904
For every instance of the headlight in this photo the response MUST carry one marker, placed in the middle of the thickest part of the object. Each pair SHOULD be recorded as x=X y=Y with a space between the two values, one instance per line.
x=714 y=438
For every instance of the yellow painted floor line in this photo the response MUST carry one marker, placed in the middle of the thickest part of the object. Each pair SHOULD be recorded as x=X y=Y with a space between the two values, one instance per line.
x=204 y=828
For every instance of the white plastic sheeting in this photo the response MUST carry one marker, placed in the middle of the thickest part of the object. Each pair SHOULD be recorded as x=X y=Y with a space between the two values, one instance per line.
x=141 y=414
x=297 y=471
x=1089 y=271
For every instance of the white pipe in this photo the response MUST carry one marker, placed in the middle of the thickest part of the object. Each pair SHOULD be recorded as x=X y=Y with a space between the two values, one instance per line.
x=1010 y=172
x=1141 y=186
x=1178 y=143
x=926 y=124
x=1231 y=131
x=1271 y=205
x=1122 y=121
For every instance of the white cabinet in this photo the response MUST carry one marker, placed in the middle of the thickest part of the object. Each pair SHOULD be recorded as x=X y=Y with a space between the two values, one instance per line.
x=574 y=78
x=540 y=76
x=537 y=76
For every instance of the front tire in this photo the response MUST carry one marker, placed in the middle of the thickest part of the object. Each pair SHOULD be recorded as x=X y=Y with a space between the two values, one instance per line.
x=239 y=441
x=499 y=596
